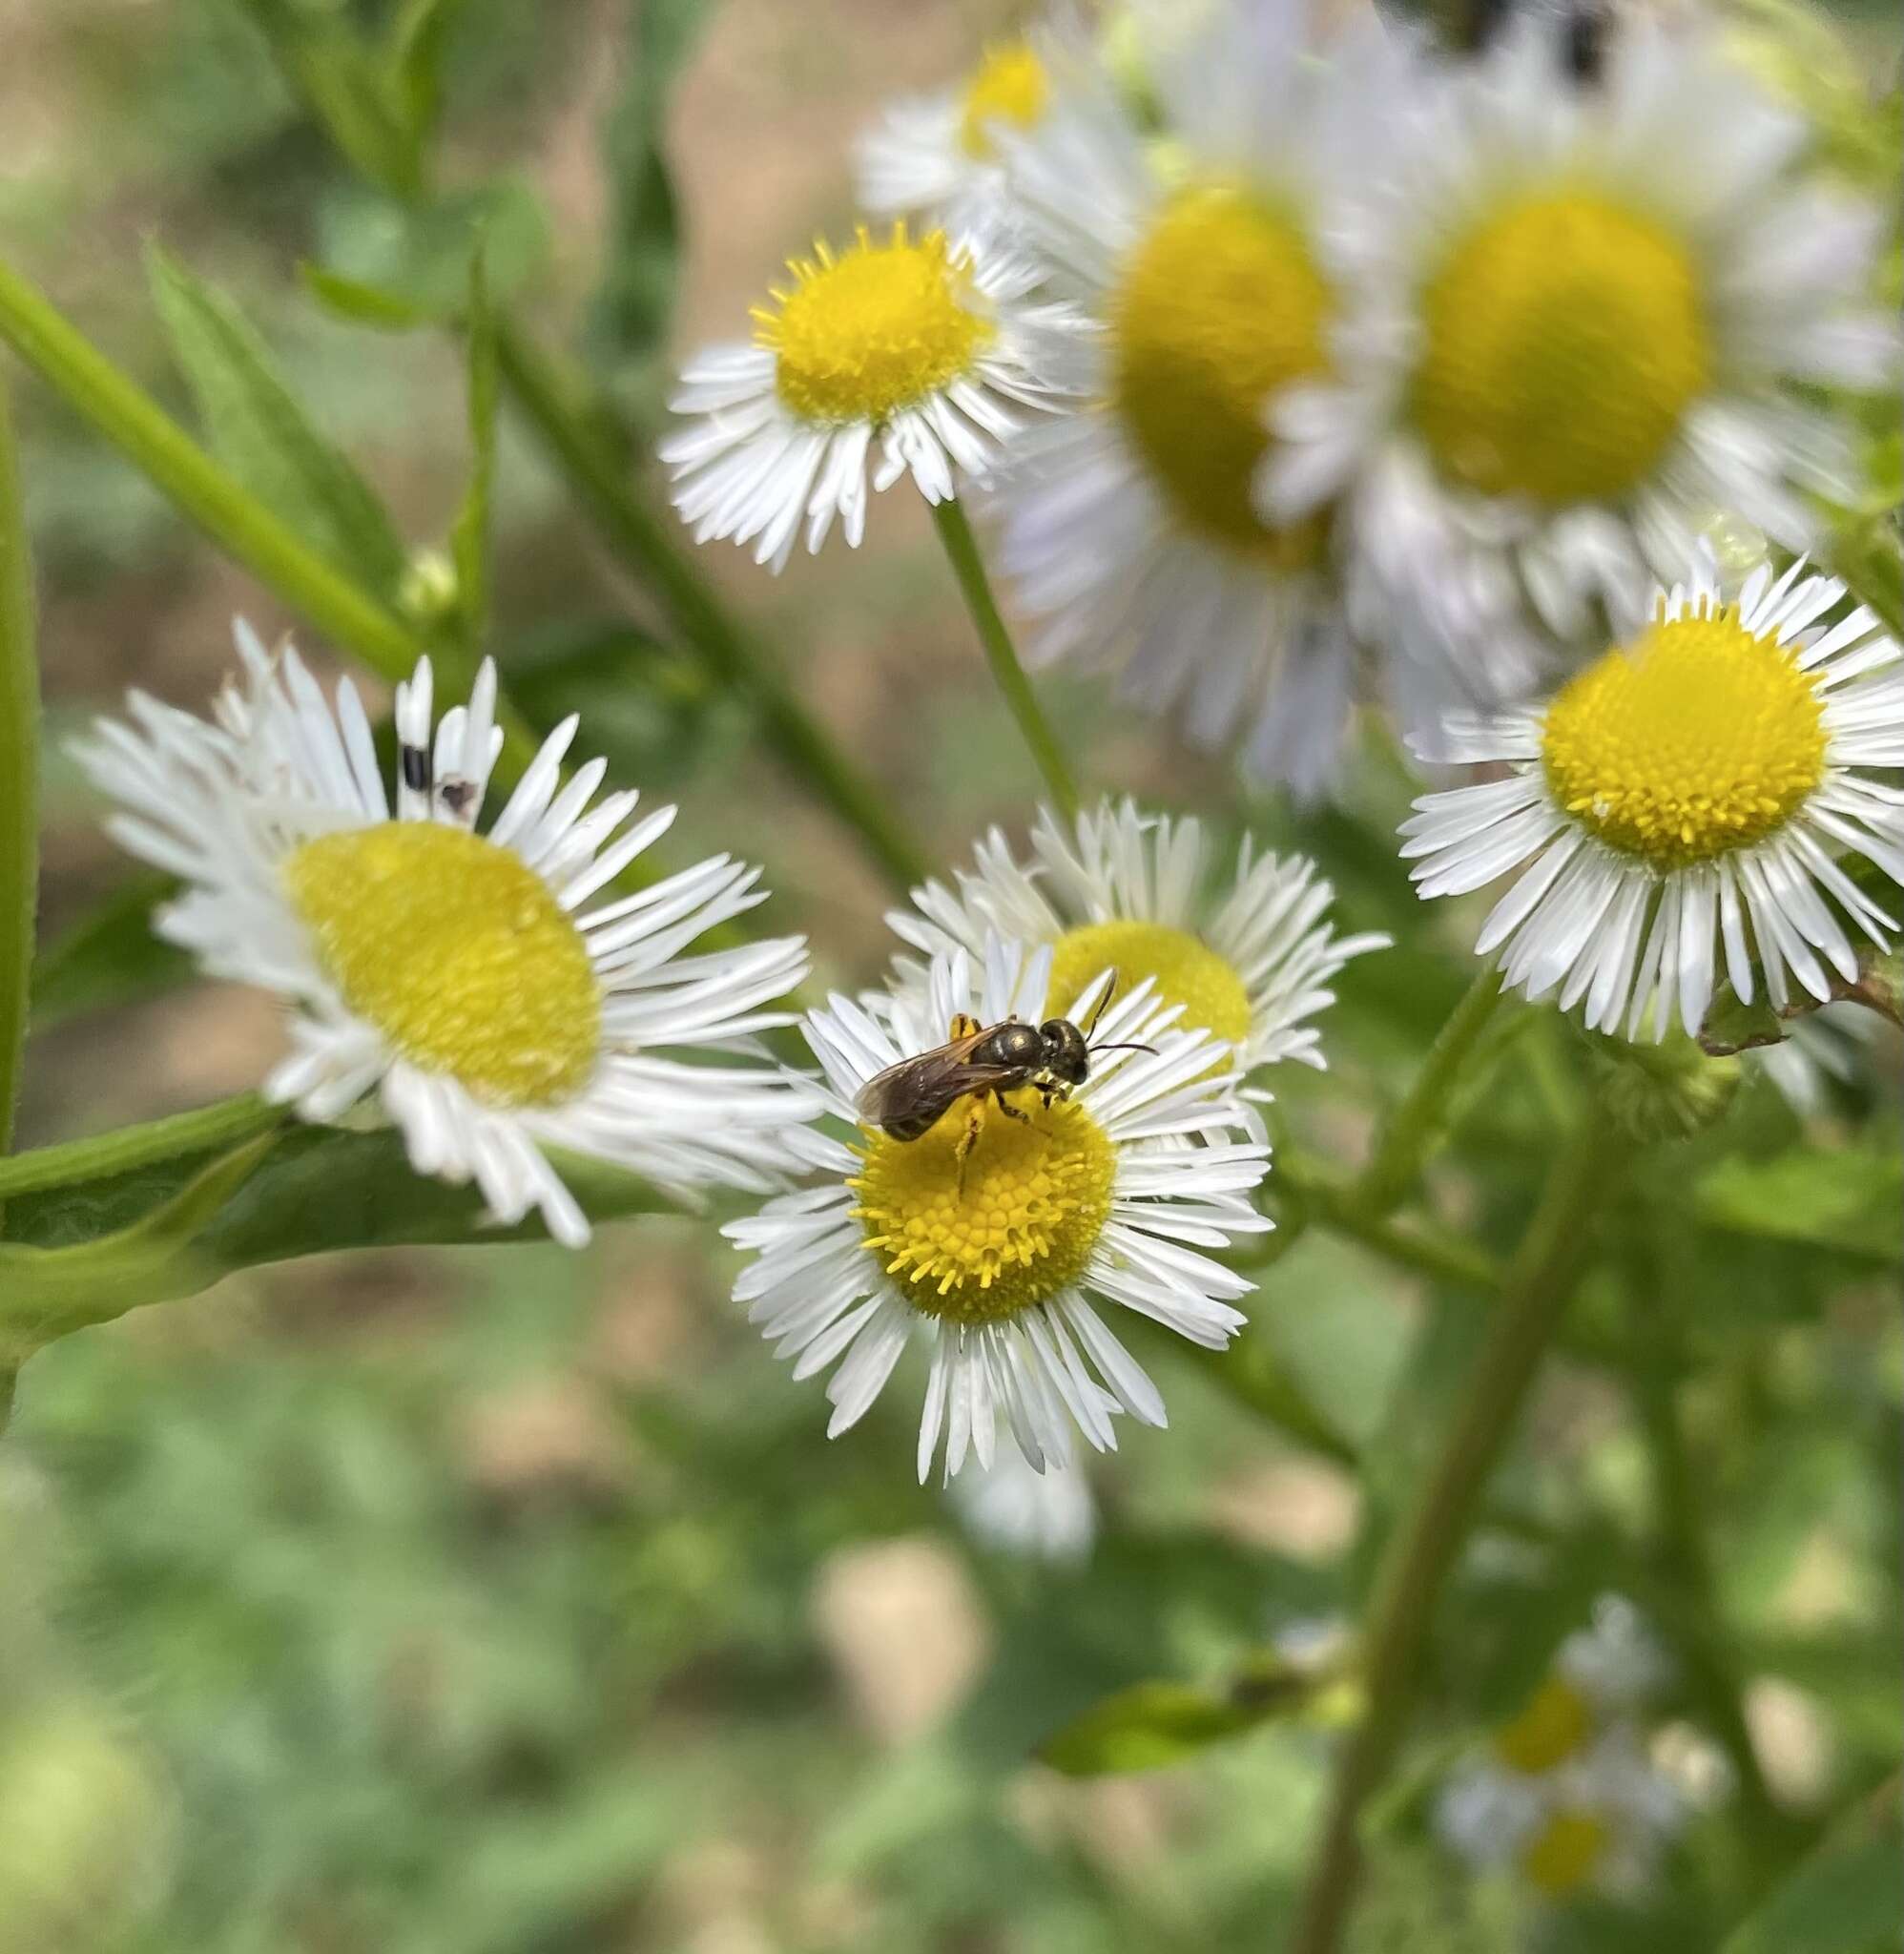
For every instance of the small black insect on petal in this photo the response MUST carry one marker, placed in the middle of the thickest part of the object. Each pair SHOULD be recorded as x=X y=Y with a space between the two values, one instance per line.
x=415 y=763
x=1587 y=26
x=457 y=795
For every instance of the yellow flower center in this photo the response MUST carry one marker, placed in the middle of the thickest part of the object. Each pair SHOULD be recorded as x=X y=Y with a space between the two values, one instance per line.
x=1034 y=1202
x=1555 y=1723
x=1695 y=740
x=1185 y=969
x=1563 y=1855
x=878 y=328
x=456 y=950
x=1220 y=305
x=1564 y=339
x=1009 y=85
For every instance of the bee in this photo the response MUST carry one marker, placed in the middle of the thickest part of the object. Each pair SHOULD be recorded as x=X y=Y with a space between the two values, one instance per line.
x=981 y=1063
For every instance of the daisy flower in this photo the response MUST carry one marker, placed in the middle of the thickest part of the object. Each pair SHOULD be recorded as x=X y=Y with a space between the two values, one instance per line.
x=928 y=346
x=1002 y=1264
x=1583 y=319
x=1207 y=257
x=475 y=983
x=1247 y=957
x=936 y=156
x=1684 y=806
x=1009 y=1505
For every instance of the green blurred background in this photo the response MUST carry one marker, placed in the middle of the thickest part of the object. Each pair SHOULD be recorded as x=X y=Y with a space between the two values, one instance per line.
x=508 y=1602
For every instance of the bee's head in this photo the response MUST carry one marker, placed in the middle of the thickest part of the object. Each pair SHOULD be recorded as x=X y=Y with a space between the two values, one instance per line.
x=1065 y=1055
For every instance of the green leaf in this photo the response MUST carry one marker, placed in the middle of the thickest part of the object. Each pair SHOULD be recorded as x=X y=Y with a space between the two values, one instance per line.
x=1842 y=1899
x=320 y=1191
x=1154 y=1724
x=265 y=437
x=1732 y=1026
x=343 y=81
x=50 y=1292
x=469 y=537
x=1847 y=1199
x=109 y=957
x=359 y=303
x=421 y=32
x=636 y=301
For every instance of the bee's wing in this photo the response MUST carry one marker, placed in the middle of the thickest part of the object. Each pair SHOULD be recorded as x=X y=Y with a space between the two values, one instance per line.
x=927 y=1083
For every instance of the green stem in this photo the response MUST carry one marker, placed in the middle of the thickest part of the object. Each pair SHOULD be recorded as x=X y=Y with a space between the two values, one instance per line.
x=19 y=779
x=961 y=548
x=241 y=526
x=652 y=554
x=222 y=1124
x=1331 y=1202
x=1533 y=1299
x=1410 y=1132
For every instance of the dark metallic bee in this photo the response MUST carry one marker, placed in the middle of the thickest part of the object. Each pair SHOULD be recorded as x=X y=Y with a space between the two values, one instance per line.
x=983 y=1063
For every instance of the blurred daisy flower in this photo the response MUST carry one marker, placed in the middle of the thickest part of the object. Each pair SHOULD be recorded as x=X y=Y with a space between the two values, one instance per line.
x=1016 y=1509
x=1681 y=806
x=1207 y=256
x=473 y=982
x=936 y=156
x=1587 y=318
x=1001 y=1261
x=1247 y=957
x=1566 y=1793
x=928 y=347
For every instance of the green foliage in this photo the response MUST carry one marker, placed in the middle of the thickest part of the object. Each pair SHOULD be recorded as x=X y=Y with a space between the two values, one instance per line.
x=257 y=427
x=635 y=304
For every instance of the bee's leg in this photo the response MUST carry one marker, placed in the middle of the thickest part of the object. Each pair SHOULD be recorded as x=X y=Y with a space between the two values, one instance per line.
x=975 y=1120
x=1011 y=1111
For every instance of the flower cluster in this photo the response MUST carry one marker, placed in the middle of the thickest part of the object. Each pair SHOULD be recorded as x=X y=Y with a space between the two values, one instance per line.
x=1303 y=370
x=1566 y=1793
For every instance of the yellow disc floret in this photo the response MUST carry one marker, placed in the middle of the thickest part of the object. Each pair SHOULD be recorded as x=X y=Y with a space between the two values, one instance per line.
x=458 y=954
x=880 y=326
x=1009 y=86
x=1696 y=740
x=1565 y=1852
x=1019 y=1230
x=1564 y=339
x=1185 y=969
x=1218 y=307
x=1556 y=1721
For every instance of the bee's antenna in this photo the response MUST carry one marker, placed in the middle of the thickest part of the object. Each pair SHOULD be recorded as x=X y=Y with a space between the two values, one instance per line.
x=1126 y=1044
x=1102 y=1005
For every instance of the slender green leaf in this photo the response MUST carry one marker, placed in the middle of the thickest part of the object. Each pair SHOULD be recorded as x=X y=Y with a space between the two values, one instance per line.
x=422 y=32
x=326 y=63
x=321 y=1190
x=636 y=301
x=469 y=538
x=359 y=303
x=19 y=776
x=1154 y=1724
x=47 y=1293
x=258 y=428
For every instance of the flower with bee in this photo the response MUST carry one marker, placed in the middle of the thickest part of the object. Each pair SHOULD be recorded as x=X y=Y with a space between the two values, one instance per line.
x=1055 y=1178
